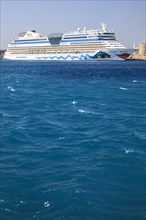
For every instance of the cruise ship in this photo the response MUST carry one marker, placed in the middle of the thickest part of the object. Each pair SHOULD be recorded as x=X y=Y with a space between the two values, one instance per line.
x=82 y=44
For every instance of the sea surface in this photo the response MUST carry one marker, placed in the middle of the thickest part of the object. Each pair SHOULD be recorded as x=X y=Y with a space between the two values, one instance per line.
x=73 y=140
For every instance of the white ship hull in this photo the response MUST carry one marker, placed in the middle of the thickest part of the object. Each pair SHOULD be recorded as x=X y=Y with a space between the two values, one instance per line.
x=98 y=55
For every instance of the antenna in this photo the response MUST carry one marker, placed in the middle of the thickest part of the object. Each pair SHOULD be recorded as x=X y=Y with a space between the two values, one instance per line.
x=84 y=29
x=104 y=27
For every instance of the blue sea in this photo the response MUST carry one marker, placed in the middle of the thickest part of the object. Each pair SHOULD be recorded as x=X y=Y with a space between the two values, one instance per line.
x=73 y=140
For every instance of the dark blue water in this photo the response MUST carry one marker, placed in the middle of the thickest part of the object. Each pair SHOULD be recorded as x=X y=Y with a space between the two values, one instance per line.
x=73 y=140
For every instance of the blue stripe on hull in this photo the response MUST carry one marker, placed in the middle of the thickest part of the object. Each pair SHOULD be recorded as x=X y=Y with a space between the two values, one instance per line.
x=75 y=57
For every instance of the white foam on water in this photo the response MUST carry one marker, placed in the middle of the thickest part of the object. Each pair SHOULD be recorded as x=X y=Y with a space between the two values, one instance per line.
x=74 y=102
x=93 y=82
x=22 y=202
x=127 y=151
x=48 y=190
x=102 y=104
x=61 y=138
x=82 y=111
x=88 y=112
x=140 y=135
x=123 y=88
x=11 y=89
x=134 y=81
x=46 y=204
x=7 y=115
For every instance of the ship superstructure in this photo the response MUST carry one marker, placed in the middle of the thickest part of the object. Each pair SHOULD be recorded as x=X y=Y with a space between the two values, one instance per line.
x=100 y=38
x=29 y=39
x=81 y=44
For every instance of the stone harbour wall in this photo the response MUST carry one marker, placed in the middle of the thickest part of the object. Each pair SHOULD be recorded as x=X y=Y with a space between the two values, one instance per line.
x=140 y=54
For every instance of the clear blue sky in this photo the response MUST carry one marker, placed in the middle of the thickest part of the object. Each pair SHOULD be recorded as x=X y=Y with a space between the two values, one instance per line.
x=126 y=17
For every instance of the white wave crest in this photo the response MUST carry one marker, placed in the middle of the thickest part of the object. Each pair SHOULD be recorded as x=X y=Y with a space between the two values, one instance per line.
x=123 y=88
x=7 y=115
x=89 y=112
x=74 y=102
x=46 y=204
x=140 y=135
x=82 y=111
x=61 y=138
x=22 y=202
x=11 y=89
x=127 y=151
